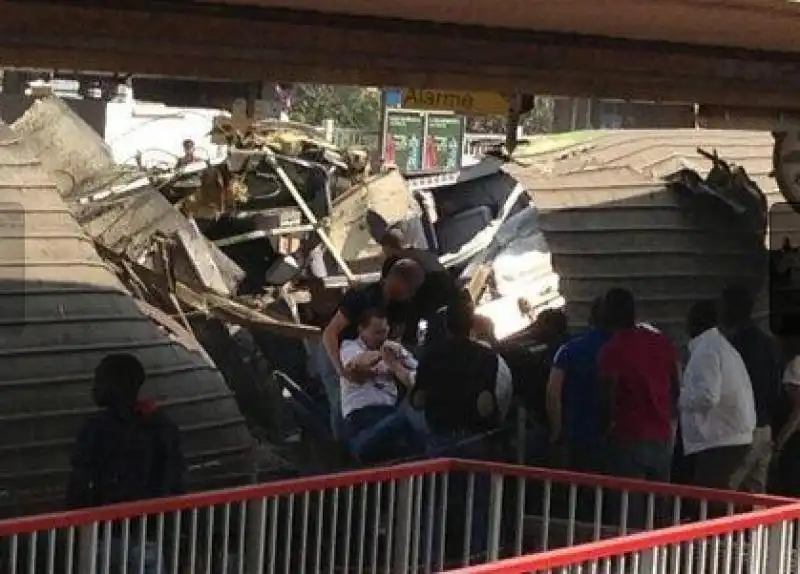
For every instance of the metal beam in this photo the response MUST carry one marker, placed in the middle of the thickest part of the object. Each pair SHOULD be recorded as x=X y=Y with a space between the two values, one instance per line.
x=204 y=43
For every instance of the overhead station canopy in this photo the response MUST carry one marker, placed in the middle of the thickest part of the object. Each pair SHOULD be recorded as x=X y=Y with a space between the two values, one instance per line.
x=750 y=24
x=738 y=54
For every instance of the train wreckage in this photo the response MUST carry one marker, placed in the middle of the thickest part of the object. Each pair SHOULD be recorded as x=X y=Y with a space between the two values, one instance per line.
x=220 y=274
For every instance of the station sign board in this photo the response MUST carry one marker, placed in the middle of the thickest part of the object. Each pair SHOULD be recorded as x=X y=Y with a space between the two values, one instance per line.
x=404 y=137
x=417 y=141
x=444 y=142
x=467 y=103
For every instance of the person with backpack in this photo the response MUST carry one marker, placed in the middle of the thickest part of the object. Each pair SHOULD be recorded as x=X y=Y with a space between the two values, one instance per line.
x=127 y=451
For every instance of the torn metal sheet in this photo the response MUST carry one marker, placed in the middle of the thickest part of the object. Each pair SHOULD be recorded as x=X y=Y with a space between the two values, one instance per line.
x=198 y=250
x=210 y=303
x=360 y=215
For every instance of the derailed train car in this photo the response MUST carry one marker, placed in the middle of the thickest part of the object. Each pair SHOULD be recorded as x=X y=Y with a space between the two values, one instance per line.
x=621 y=208
x=646 y=210
x=61 y=311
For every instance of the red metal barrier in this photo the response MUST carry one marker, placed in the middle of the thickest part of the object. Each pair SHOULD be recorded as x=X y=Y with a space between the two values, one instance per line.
x=425 y=516
x=761 y=542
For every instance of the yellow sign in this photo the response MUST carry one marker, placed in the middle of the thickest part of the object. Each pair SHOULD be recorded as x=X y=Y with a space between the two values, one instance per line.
x=469 y=103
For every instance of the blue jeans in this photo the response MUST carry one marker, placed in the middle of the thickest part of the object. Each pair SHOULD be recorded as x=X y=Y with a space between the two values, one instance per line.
x=383 y=433
x=330 y=380
x=151 y=557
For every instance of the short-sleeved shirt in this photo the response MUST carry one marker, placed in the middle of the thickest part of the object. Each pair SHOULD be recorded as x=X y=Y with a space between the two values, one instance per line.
x=379 y=389
x=582 y=393
x=438 y=288
x=452 y=374
x=358 y=299
x=642 y=364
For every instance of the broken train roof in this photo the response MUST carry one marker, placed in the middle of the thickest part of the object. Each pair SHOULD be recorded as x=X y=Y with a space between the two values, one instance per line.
x=610 y=219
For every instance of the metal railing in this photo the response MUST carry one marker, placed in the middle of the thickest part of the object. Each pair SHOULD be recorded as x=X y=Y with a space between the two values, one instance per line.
x=419 y=517
x=761 y=542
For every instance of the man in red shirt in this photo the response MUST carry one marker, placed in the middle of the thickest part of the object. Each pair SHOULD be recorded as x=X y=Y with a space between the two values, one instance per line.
x=640 y=370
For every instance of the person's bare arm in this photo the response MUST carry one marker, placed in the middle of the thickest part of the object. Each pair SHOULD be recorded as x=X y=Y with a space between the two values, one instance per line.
x=330 y=340
x=555 y=385
x=393 y=359
x=403 y=375
x=361 y=367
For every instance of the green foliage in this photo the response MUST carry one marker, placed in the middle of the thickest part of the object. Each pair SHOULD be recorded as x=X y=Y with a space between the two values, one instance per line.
x=349 y=106
x=360 y=108
x=539 y=120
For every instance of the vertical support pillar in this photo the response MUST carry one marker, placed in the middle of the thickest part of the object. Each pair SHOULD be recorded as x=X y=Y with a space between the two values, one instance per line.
x=573 y=122
x=382 y=134
x=777 y=549
x=495 y=517
x=402 y=526
x=512 y=122
x=88 y=544
x=250 y=102
x=15 y=82
x=329 y=125
x=256 y=536
x=648 y=561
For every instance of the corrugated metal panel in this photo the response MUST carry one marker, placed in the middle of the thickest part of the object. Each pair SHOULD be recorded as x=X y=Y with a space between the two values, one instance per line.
x=61 y=311
x=610 y=221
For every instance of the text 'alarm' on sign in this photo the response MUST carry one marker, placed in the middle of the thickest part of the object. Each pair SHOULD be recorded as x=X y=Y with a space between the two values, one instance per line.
x=471 y=103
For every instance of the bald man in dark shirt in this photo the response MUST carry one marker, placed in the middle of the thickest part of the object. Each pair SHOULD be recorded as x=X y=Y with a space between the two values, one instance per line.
x=437 y=291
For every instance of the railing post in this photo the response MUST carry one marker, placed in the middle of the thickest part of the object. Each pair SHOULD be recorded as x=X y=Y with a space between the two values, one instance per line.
x=776 y=549
x=648 y=561
x=402 y=526
x=495 y=517
x=88 y=543
x=256 y=535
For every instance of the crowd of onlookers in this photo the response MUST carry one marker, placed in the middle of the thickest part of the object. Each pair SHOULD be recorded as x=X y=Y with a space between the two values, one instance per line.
x=410 y=369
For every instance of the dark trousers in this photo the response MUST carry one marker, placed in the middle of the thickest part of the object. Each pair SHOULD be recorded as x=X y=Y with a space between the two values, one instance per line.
x=587 y=457
x=714 y=468
x=643 y=460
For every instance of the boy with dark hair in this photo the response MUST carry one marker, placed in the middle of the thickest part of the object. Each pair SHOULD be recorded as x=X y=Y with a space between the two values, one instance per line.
x=129 y=450
x=126 y=452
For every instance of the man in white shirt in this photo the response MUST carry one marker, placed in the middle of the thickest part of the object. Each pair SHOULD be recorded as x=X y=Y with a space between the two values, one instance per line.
x=372 y=369
x=717 y=408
